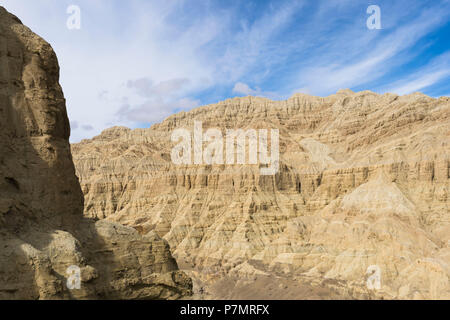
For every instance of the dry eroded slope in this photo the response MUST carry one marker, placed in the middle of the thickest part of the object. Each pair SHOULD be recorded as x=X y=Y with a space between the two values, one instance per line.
x=364 y=180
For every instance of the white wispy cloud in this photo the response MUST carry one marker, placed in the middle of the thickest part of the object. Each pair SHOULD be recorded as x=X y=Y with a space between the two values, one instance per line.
x=325 y=74
x=254 y=43
x=243 y=88
x=135 y=62
x=433 y=72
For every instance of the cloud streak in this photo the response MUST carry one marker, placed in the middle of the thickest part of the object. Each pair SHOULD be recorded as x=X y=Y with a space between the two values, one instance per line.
x=326 y=74
x=434 y=72
x=136 y=62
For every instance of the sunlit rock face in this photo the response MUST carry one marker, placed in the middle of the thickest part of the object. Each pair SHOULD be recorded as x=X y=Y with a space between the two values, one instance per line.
x=42 y=228
x=363 y=180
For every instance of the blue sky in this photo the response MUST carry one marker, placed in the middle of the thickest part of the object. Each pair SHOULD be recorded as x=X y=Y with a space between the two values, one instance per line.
x=135 y=62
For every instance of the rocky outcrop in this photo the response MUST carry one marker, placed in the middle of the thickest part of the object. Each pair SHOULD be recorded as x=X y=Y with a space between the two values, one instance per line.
x=42 y=228
x=364 y=181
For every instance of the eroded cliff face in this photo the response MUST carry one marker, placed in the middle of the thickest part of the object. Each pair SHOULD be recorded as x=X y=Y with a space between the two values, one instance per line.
x=42 y=228
x=363 y=181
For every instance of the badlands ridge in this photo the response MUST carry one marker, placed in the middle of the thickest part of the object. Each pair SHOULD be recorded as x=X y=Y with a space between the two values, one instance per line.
x=363 y=183
x=362 y=186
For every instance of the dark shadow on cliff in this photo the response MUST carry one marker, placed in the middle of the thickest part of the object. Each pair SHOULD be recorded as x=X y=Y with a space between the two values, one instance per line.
x=42 y=228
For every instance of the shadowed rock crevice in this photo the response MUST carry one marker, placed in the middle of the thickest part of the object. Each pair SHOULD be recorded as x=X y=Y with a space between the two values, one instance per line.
x=42 y=228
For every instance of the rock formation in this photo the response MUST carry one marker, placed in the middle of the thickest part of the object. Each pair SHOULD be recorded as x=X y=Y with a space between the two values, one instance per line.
x=42 y=228
x=363 y=186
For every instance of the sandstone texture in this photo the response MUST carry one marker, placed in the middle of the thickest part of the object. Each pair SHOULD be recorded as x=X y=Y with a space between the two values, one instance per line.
x=364 y=181
x=42 y=228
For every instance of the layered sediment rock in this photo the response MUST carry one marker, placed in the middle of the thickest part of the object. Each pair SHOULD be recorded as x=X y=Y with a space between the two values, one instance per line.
x=42 y=228
x=364 y=181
